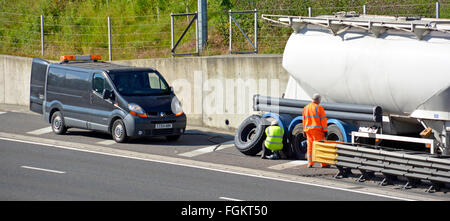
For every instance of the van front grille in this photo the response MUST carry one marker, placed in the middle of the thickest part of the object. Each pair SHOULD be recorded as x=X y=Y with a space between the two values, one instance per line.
x=158 y=114
x=163 y=121
x=159 y=132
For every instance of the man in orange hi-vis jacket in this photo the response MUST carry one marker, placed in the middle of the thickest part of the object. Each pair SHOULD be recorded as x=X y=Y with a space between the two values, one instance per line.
x=314 y=125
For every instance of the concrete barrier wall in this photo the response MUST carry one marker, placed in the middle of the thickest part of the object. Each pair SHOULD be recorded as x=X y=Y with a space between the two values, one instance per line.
x=215 y=91
x=15 y=80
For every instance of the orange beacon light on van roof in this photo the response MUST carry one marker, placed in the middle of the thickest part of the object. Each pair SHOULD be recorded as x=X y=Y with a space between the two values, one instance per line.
x=67 y=58
x=96 y=57
x=92 y=57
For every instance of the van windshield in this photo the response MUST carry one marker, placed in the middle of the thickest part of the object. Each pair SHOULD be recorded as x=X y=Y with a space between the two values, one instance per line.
x=139 y=83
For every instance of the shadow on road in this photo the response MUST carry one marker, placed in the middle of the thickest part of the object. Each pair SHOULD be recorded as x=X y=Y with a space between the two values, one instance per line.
x=190 y=138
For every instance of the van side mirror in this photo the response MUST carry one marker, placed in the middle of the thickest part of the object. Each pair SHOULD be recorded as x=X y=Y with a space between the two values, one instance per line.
x=171 y=89
x=107 y=94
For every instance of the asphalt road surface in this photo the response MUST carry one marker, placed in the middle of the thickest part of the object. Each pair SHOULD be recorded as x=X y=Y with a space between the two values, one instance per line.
x=38 y=172
x=36 y=164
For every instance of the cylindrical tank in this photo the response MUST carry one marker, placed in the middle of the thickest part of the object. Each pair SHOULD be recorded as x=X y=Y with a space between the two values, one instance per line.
x=395 y=70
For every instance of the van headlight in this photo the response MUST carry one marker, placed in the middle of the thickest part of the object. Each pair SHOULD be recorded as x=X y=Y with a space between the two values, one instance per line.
x=176 y=106
x=136 y=110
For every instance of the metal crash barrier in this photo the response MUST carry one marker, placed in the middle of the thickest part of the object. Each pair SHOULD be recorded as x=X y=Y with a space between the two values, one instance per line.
x=416 y=167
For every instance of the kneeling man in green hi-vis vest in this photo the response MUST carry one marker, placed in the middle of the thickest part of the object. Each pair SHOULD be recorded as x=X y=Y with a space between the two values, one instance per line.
x=274 y=140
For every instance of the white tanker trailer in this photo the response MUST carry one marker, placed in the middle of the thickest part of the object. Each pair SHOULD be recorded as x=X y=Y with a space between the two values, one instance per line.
x=361 y=64
x=399 y=64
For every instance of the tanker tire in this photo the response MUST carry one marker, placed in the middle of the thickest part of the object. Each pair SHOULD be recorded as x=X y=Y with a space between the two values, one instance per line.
x=298 y=152
x=250 y=135
x=334 y=133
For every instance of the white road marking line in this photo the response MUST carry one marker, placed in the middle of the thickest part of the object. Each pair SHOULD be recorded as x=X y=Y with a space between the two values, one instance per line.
x=229 y=199
x=289 y=165
x=41 y=169
x=1 y=112
x=205 y=168
x=106 y=142
x=205 y=150
x=228 y=142
x=41 y=131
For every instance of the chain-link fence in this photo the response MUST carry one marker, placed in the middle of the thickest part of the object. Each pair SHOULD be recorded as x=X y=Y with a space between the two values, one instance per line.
x=131 y=37
x=148 y=36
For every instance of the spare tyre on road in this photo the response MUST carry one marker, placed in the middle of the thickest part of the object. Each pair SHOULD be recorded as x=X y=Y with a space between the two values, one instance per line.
x=250 y=135
x=296 y=138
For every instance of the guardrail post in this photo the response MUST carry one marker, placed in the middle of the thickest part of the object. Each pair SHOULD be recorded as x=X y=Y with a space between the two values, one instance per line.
x=437 y=10
x=109 y=39
x=42 y=35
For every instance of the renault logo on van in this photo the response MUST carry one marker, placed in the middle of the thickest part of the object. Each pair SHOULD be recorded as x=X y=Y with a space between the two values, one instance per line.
x=162 y=114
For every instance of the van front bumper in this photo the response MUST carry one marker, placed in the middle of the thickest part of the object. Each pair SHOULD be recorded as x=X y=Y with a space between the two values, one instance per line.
x=140 y=127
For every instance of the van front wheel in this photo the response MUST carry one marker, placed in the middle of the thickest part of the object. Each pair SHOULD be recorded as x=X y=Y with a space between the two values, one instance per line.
x=118 y=131
x=58 y=125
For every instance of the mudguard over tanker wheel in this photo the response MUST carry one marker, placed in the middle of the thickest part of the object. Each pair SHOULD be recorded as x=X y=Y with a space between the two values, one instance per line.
x=250 y=135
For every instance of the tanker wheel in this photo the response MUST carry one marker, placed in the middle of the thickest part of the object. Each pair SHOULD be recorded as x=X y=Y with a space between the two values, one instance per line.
x=297 y=151
x=250 y=135
x=334 y=133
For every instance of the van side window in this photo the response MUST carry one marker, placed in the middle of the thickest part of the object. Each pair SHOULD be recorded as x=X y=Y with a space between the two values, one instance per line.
x=155 y=81
x=99 y=83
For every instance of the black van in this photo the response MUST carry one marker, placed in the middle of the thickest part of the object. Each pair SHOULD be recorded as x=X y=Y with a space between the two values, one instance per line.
x=125 y=101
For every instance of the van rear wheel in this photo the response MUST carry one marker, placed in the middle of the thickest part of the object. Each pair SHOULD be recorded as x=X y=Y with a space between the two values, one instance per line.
x=57 y=122
x=118 y=131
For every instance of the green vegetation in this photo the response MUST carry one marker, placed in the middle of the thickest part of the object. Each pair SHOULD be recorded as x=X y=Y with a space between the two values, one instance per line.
x=141 y=28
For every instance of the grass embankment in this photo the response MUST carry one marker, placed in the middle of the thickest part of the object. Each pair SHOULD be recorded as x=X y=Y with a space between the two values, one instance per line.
x=141 y=28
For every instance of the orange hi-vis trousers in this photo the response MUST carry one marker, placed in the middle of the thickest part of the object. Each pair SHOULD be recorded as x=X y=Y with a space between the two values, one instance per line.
x=313 y=135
